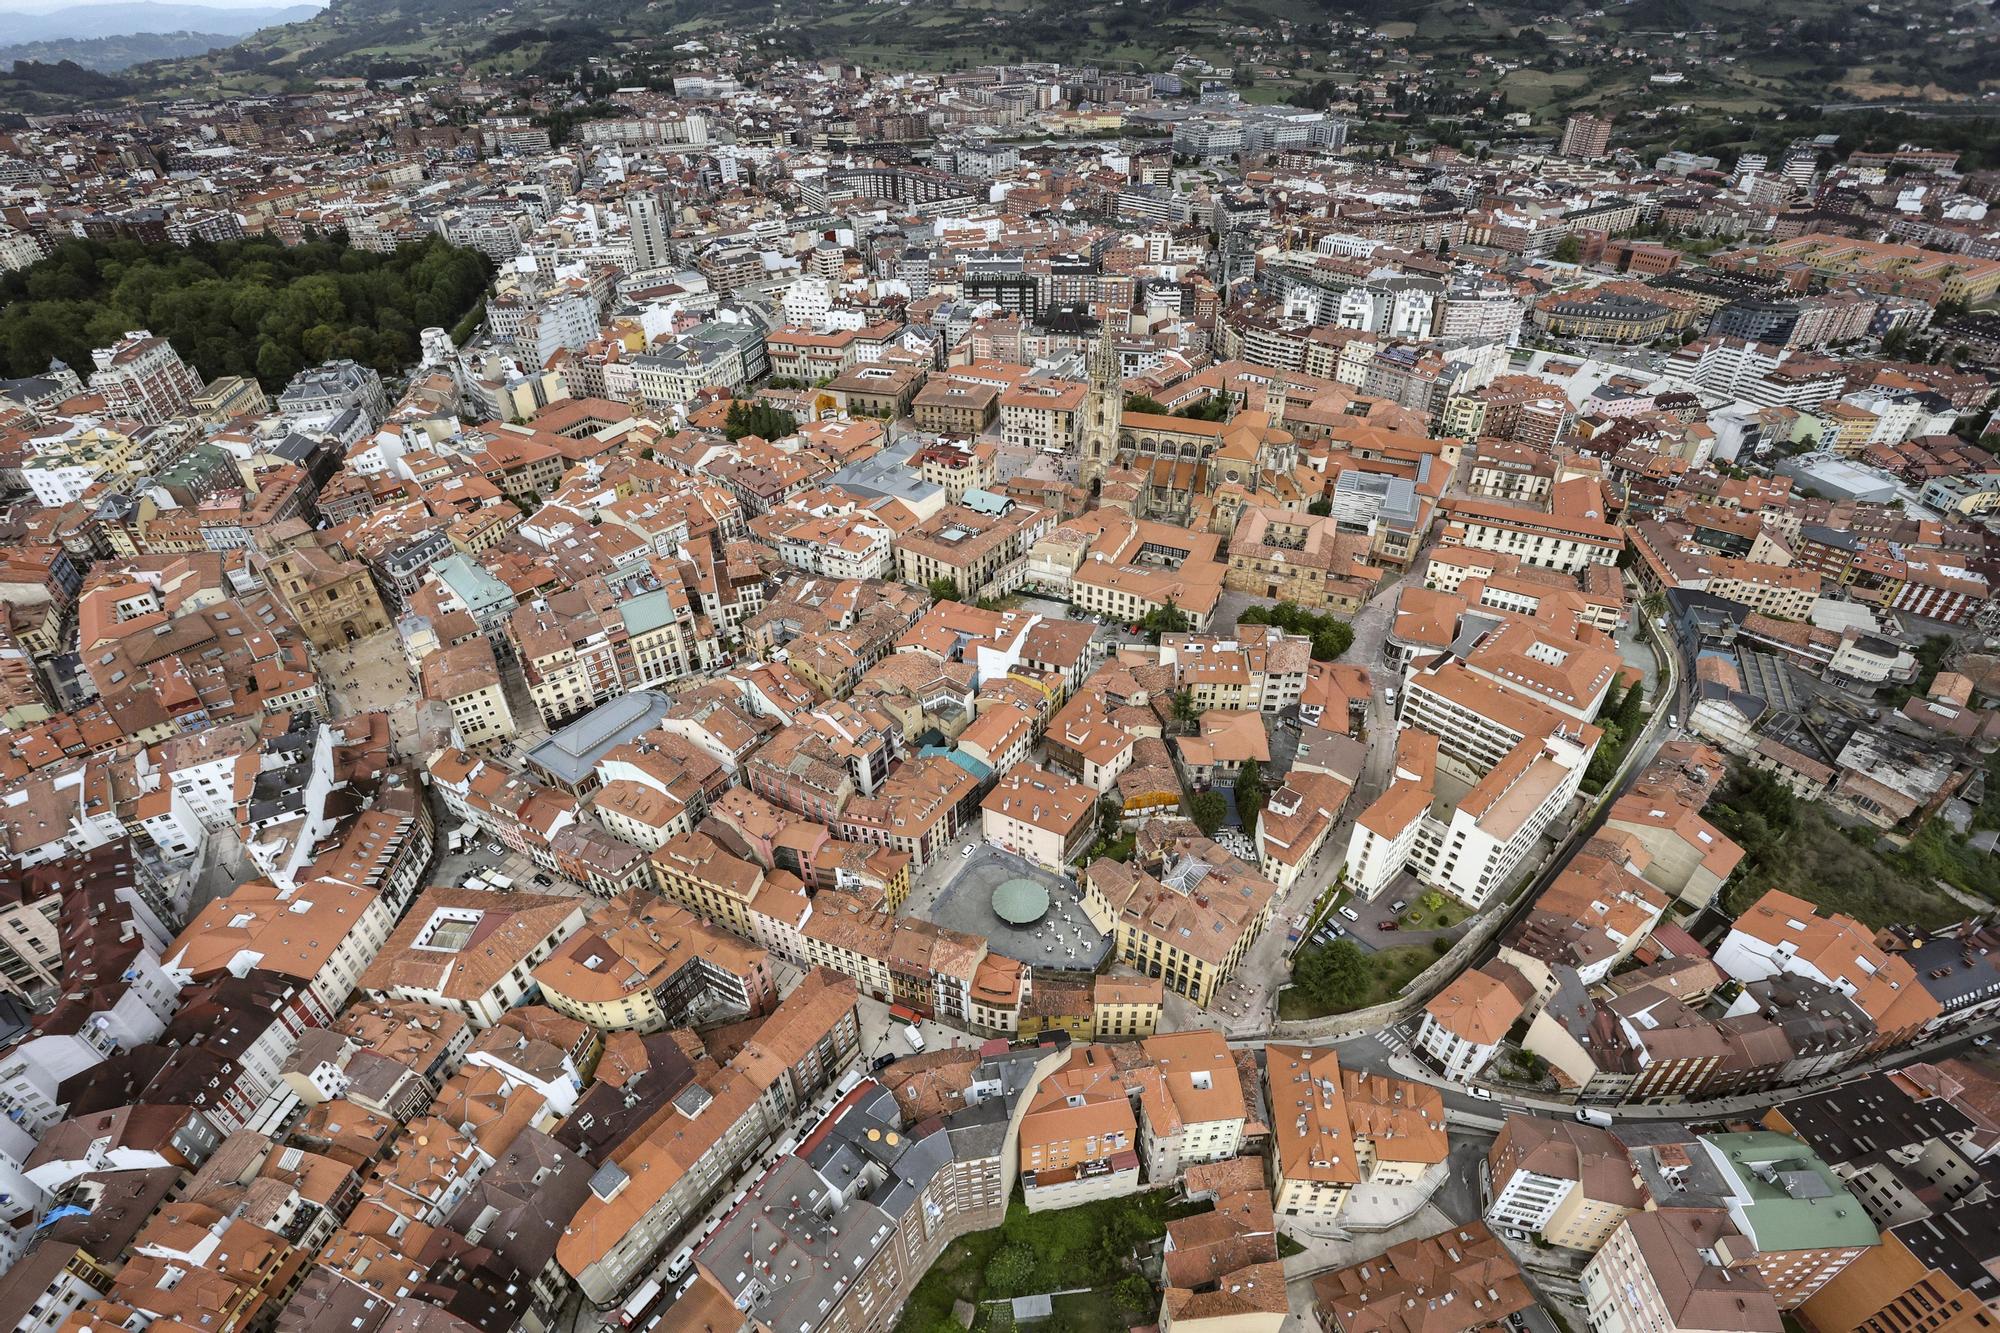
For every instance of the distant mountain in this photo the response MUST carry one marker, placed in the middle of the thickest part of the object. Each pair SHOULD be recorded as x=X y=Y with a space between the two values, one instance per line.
x=30 y=85
x=1534 y=52
x=111 y=54
x=144 y=16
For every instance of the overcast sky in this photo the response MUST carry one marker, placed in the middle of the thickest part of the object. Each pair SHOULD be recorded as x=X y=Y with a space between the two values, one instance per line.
x=51 y=6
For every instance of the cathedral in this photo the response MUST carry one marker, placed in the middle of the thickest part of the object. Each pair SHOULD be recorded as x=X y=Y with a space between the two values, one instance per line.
x=1203 y=474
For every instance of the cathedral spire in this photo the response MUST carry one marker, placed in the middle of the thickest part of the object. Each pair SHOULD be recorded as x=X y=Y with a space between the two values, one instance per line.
x=1103 y=408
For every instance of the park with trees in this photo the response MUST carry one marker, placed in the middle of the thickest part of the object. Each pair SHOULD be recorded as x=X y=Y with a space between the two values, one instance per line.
x=257 y=307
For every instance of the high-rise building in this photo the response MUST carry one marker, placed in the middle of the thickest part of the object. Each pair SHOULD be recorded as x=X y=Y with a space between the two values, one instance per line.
x=143 y=379
x=1586 y=136
x=649 y=232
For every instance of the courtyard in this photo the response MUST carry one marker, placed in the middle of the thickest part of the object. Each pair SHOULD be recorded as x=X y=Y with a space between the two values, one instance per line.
x=1063 y=937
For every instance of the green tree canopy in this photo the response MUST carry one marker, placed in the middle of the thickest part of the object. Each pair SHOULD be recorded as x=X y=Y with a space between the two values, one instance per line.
x=1208 y=809
x=759 y=419
x=1330 y=635
x=1335 y=977
x=254 y=307
x=1250 y=792
x=1165 y=620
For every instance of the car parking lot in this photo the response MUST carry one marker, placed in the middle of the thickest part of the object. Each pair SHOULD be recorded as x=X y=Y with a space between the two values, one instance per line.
x=481 y=858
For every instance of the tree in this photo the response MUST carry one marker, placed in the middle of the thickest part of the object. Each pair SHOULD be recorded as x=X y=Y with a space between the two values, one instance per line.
x=1214 y=408
x=1139 y=402
x=1185 y=709
x=1321 y=507
x=759 y=419
x=1165 y=620
x=1632 y=709
x=1568 y=250
x=247 y=307
x=1332 y=639
x=1208 y=809
x=1604 y=762
x=1110 y=816
x=943 y=589
x=1931 y=655
x=1135 y=1294
x=1330 y=636
x=1250 y=793
x=1117 y=1239
x=1011 y=1269
x=1335 y=977
x=1609 y=708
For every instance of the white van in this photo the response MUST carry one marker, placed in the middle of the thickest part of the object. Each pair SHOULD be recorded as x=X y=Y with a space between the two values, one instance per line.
x=913 y=1036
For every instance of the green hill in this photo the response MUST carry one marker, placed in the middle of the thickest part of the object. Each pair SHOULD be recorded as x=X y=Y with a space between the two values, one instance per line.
x=1739 y=56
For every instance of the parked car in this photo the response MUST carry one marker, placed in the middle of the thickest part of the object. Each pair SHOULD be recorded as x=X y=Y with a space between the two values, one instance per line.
x=1983 y=1039
x=1387 y=925
x=545 y=881
x=1350 y=914
x=1398 y=905
x=964 y=852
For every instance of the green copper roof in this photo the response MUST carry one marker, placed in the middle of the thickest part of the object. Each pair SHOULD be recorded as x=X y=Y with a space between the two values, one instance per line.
x=1020 y=902
x=1786 y=1198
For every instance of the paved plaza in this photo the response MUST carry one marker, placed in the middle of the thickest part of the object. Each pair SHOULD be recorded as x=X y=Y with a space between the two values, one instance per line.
x=1063 y=938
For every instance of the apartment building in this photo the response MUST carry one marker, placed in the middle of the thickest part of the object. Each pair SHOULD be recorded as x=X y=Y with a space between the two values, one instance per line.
x=1570 y=1184
x=1333 y=1129
x=143 y=379
x=1799 y=1225
x=1780 y=934
x=1187 y=915
x=472 y=952
x=1663 y=1272
x=1509 y=756
x=1570 y=537
x=1040 y=814
x=1464 y=1024
x=324 y=934
x=670 y=1166
x=843 y=1257
x=644 y=964
x=466 y=678
x=1079 y=1136
x=1191 y=1106
x=766 y=906
x=982 y=551
x=1461 y=1279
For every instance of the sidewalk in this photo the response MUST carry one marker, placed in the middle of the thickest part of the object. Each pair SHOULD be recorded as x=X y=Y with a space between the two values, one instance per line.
x=1377 y=1208
x=1323 y=1254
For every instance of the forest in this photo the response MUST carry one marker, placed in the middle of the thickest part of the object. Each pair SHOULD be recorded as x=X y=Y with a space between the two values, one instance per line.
x=253 y=307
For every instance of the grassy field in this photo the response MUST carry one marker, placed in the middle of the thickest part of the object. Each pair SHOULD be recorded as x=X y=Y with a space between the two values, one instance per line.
x=1837 y=873
x=1389 y=970
x=1435 y=911
x=1088 y=1246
